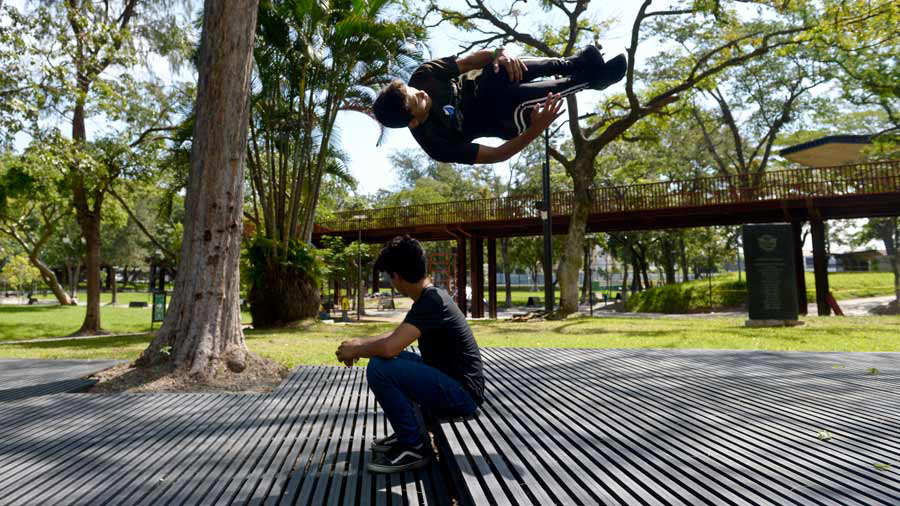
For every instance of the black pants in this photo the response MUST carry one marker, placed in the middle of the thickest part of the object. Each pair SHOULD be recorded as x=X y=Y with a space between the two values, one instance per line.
x=512 y=102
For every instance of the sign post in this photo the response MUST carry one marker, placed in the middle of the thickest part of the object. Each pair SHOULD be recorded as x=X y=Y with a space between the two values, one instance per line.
x=158 y=308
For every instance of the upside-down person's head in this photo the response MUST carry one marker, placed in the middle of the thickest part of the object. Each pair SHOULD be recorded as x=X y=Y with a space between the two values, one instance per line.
x=403 y=258
x=390 y=107
x=400 y=105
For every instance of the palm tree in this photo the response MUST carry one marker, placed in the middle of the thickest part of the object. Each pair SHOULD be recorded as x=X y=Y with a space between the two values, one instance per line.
x=313 y=59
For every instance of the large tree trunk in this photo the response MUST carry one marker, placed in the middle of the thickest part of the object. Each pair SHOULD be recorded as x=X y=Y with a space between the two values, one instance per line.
x=89 y=222
x=50 y=279
x=668 y=258
x=113 y=286
x=585 y=285
x=504 y=253
x=74 y=274
x=202 y=329
x=682 y=255
x=570 y=262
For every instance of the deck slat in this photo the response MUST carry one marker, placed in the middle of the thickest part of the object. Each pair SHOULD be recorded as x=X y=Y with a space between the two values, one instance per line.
x=560 y=426
x=689 y=426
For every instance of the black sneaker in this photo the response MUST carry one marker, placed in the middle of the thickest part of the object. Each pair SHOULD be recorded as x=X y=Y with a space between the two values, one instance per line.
x=399 y=458
x=611 y=72
x=587 y=58
x=386 y=443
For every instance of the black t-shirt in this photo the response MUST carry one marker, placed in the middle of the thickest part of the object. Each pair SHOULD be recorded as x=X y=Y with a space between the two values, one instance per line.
x=447 y=343
x=447 y=134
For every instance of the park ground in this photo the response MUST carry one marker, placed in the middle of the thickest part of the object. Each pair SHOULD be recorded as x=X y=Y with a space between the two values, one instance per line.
x=313 y=343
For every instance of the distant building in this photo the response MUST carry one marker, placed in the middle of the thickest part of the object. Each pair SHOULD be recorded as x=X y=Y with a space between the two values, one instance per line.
x=855 y=261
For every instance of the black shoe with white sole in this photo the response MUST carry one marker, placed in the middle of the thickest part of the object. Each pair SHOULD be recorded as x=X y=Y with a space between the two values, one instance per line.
x=399 y=458
x=386 y=443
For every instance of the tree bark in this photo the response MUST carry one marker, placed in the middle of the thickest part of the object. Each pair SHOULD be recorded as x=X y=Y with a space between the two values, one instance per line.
x=682 y=254
x=571 y=259
x=668 y=258
x=74 y=273
x=50 y=279
x=585 y=285
x=202 y=329
x=113 y=286
x=89 y=222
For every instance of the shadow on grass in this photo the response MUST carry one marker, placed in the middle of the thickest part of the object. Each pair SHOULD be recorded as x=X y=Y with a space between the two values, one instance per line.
x=86 y=344
x=32 y=309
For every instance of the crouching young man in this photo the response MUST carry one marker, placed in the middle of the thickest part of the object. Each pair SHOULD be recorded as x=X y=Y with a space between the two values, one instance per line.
x=446 y=380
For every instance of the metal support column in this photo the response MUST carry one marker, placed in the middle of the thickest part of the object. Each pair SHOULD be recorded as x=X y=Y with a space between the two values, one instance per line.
x=492 y=277
x=799 y=266
x=461 y=275
x=546 y=214
x=477 y=277
x=820 y=260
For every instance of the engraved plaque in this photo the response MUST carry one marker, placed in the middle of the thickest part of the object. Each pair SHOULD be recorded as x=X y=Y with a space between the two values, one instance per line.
x=771 y=280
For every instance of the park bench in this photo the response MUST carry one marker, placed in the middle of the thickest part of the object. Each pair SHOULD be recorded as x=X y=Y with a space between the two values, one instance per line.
x=386 y=304
x=138 y=303
x=534 y=301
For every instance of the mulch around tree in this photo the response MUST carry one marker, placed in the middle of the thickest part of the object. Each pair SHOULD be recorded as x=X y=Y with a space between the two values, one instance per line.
x=260 y=376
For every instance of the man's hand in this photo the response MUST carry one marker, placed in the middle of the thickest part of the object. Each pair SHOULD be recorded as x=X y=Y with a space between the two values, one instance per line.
x=515 y=68
x=545 y=114
x=347 y=353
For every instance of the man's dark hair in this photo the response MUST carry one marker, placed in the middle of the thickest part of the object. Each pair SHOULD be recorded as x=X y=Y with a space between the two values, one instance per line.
x=390 y=106
x=403 y=255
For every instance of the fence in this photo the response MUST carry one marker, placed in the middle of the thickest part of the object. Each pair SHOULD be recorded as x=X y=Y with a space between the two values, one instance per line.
x=858 y=179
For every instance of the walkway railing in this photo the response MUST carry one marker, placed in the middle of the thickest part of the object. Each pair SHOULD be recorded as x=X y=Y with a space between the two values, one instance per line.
x=858 y=179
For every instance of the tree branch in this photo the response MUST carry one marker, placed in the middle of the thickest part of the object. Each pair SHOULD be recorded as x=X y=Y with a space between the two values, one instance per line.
x=169 y=254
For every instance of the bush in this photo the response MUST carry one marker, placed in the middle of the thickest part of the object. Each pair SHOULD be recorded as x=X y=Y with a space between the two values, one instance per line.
x=690 y=297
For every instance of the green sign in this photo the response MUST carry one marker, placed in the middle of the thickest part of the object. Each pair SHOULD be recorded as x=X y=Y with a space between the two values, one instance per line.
x=159 y=306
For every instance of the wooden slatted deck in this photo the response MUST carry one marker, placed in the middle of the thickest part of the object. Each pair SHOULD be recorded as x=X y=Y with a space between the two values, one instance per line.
x=305 y=443
x=560 y=426
x=29 y=378
x=682 y=427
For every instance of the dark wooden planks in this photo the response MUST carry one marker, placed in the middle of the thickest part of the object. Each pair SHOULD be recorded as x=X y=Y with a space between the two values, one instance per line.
x=20 y=379
x=305 y=443
x=569 y=426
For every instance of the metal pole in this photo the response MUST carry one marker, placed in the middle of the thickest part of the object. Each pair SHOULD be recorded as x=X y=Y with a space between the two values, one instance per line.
x=545 y=214
x=359 y=296
x=590 y=286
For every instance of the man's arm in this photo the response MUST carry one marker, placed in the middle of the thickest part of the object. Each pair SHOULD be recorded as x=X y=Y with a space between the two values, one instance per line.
x=387 y=345
x=541 y=118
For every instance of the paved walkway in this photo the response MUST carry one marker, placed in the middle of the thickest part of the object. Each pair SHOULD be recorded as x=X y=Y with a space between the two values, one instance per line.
x=560 y=426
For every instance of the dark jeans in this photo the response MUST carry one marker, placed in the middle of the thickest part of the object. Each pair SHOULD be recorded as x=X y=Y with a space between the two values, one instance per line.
x=513 y=102
x=405 y=379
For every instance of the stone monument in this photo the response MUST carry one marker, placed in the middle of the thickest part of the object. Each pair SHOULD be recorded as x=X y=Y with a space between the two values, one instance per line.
x=771 y=280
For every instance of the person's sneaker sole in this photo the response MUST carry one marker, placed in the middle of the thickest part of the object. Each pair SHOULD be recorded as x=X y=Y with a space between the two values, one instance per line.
x=374 y=467
x=614 y=69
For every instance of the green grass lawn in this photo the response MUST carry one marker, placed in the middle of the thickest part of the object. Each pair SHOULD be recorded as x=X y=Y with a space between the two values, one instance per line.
x=728 y=292
x=34 y=322
x=316 y=345
x=105 y=297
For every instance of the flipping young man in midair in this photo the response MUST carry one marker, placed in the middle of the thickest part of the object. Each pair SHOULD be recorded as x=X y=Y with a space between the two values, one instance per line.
x=446 y=380
x=449 y=102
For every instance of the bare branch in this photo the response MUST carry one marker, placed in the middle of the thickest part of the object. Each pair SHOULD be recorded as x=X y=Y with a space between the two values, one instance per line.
x=141 y=138
x=169 y=254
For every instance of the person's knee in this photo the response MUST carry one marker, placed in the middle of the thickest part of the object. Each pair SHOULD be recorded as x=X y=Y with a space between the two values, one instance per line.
x=375 y=368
